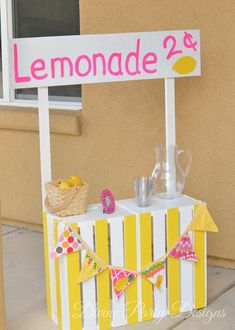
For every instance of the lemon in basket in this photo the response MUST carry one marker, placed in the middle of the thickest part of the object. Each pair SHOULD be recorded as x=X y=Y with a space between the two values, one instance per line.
x=75 y=180
x=64 y=185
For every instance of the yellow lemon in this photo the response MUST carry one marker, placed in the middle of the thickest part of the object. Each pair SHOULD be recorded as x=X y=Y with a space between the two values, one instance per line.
x=121 y=284
x=184 y=65
x=71 y=183
x=75 y=180
x=64 y=185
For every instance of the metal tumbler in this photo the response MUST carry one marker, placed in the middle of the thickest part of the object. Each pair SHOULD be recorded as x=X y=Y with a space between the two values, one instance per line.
x=143 y=189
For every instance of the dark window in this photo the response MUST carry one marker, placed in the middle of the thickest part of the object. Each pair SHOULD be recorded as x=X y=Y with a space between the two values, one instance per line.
x=43 y=18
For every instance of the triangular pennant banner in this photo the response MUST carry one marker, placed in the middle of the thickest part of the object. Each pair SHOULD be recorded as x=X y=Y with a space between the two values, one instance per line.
x=121 y=279
x=154 y=273
x=92 y=266
x=203 y=221
x=184 y=249
x=68 y=242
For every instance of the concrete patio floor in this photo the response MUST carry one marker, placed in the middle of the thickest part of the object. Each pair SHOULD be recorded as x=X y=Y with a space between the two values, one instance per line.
x=26 y=301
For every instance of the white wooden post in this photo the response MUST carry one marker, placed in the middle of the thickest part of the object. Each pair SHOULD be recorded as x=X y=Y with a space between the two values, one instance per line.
x=44 y=138
x=170 y=132
x=170 y=110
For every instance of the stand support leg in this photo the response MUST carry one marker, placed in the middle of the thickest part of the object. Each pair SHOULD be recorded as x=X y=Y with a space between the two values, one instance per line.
x=170 y=133
x=44 y=137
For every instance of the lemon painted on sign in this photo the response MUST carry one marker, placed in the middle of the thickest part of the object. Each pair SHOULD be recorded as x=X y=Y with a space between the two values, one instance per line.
x=184 y=65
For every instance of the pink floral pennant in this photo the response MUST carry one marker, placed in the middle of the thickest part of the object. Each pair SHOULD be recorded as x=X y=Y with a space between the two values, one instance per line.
x=121 y=279
x=154 y=273
x=184 y=249
x=69 y=242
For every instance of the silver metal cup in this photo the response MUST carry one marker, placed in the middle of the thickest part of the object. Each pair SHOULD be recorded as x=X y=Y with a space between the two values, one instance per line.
x=143 y=189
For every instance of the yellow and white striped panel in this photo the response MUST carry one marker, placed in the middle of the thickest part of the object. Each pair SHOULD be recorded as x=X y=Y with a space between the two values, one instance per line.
x=117 y=258
x=146 y=258
x=200 y=286
x=62 y=290
x=67 y=291
x=77 y=302
x=74 y=288
x=133 y=240
x=89 y=296
x=57 y=233
x=103 y=281
x=159 y=249
x=47 y=264
x=130 y=249
x=173 y=264
x=186 y=267
x=50 y=266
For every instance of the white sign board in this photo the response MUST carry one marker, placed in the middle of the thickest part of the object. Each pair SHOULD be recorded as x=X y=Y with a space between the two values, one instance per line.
x=83 y=59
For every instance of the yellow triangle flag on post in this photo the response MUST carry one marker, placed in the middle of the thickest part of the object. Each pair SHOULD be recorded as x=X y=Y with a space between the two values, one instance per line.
x=203 y=221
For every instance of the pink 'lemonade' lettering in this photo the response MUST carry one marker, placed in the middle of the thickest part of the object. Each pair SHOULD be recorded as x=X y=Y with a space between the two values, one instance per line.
x=97 y=64
x=102 y=57
x=38 y=65
x=18 y=79
x=77 y=64
x=135 y=55
x=149 y=59
x=117 y=57
x=61 y=61
x=172 y=51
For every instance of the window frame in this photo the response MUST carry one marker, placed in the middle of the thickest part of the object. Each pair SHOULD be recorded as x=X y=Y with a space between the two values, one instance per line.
x=9 y=98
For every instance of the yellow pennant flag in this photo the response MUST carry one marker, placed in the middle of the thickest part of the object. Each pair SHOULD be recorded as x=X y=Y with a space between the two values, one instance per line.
x=92 y=265
x=203 y=221
x=154 y=272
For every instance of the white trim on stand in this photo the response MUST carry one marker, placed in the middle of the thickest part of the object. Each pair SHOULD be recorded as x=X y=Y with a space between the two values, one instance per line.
x=170 y=110
x=44 y=134
x=170 y=131
x=34 y=104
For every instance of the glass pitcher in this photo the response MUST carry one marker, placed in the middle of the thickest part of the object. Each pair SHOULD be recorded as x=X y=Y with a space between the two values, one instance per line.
x=172 y=167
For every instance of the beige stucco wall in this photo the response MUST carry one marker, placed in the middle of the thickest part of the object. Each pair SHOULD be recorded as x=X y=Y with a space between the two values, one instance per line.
x=122 y=122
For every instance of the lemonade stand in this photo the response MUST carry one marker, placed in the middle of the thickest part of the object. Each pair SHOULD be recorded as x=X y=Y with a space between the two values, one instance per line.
x=155 y=256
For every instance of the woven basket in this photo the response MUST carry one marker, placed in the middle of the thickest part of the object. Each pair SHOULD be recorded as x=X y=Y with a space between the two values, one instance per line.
x=65 y=202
